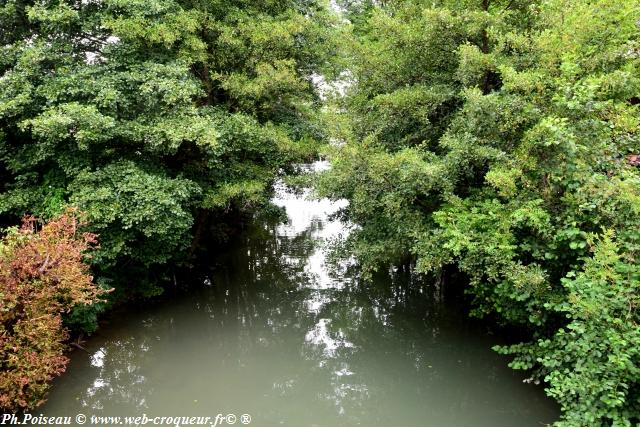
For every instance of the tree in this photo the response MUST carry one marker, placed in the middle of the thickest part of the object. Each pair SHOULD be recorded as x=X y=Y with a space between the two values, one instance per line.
x=494 y=136
x=155 y=118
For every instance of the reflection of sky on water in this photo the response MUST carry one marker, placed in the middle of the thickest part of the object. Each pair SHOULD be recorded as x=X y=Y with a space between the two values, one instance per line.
x=274 y=332
x=308 y=214
x=123 y=381
x=304 y=213
x=321 y=336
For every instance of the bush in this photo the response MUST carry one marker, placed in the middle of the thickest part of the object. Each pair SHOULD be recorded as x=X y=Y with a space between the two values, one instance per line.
x=43 y=274
x=592 y=364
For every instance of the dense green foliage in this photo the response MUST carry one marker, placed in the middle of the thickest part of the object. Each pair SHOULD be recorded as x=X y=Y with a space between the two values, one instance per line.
x=499 y=137
x=43 y=274
x=496 y=136
x=154 y=118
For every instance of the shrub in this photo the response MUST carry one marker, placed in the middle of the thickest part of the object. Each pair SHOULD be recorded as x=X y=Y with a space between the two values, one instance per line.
x=43 y=274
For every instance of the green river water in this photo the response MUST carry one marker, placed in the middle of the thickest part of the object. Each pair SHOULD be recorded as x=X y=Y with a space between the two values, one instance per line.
x=274 y=333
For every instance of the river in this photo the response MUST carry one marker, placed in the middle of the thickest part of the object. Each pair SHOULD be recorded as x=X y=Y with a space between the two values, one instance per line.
x=274 y=332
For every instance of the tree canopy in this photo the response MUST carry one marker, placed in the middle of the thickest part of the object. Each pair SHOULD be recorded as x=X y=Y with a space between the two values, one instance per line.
x=154 y=116
x=497 y=137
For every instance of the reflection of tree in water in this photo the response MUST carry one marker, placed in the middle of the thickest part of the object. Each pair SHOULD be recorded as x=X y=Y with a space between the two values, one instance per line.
x=119 y=377
x=257 y=295
x=280 y=335
x=406 y=338
x=259 y=304
x=261 y=283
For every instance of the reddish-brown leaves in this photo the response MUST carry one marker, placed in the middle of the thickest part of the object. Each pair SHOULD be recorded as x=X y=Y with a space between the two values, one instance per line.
x=633 y=159
x=43 y=274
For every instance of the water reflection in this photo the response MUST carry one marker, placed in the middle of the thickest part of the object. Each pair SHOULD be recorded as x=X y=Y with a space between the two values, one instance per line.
x=271 y=331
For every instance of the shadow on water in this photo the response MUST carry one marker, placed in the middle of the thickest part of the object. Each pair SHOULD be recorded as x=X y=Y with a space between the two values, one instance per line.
x=271 y=331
